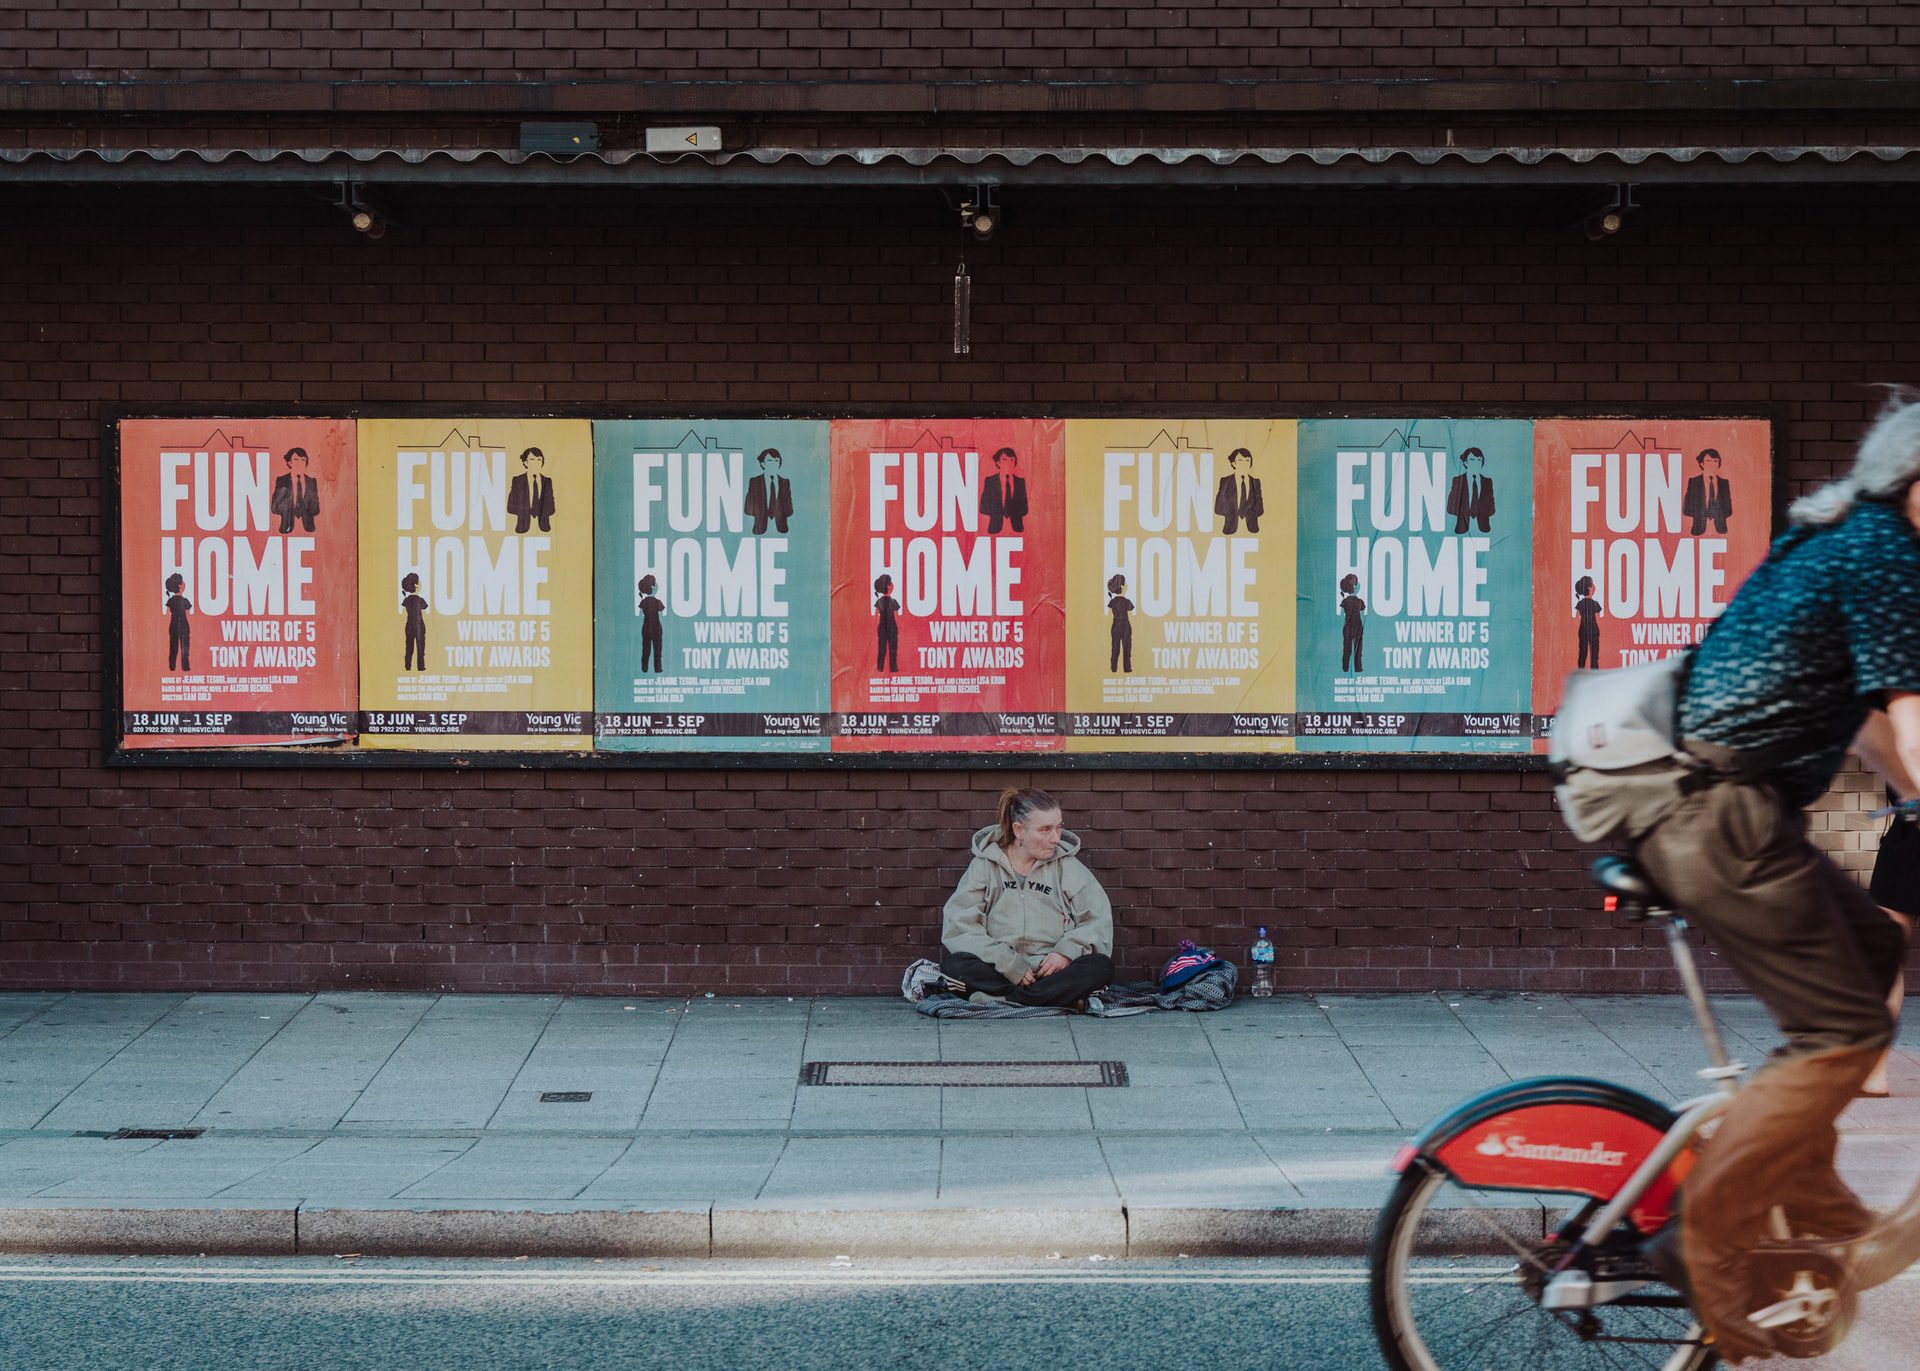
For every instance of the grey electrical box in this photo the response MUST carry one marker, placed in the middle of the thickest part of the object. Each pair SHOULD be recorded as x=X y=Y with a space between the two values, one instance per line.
x=702 y=139
x=559 y=138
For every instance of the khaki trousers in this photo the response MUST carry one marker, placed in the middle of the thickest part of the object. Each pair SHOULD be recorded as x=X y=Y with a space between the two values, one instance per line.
x=1821 y=955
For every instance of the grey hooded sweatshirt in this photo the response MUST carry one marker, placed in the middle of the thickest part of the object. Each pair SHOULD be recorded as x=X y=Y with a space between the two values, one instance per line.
x=1014 y=921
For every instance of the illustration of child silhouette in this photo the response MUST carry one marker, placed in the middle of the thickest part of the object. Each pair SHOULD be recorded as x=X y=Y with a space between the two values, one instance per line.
x=887 y=657
x=530 y=496
x=1589 y=611
x=1121 y=608
x=1353 y=631
x=651 y=637
x=296 y=495
x=416 y=606
x=179 y=631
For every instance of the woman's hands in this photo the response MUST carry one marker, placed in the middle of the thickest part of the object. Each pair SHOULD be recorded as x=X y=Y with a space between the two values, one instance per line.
x=1054 y=962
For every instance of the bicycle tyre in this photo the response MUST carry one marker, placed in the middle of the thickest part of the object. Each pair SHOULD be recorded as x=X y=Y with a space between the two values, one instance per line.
x=1489 y=1321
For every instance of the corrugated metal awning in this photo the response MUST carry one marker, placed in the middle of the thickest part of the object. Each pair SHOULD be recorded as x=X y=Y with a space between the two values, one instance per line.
x=909 y=166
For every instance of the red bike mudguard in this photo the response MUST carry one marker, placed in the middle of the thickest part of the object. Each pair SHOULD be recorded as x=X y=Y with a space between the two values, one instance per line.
x=1566 y=1135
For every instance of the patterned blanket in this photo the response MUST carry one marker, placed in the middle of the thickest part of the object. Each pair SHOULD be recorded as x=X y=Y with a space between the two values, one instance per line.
x=1211 y=989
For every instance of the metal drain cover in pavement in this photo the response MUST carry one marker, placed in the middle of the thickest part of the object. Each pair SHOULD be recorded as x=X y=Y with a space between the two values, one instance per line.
x=565 y=1096
x=1091 y=1074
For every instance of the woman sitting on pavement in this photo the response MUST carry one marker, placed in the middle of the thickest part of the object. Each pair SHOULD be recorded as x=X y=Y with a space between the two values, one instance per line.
x=1028 y=923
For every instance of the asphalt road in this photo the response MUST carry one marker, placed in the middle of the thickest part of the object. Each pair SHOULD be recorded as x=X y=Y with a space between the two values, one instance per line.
x=89 y=1314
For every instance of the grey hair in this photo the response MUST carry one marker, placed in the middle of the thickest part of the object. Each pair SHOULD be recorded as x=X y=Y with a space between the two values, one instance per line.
x=1887 y=463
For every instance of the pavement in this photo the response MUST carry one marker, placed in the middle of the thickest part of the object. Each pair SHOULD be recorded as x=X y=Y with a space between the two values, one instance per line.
x=413 y=1125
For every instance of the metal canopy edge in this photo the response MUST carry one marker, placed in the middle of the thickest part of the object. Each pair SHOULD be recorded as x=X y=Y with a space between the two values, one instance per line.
x=889 y=166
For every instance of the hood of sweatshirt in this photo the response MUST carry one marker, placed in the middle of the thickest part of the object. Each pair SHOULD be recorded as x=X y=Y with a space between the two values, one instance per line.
x=985 y=846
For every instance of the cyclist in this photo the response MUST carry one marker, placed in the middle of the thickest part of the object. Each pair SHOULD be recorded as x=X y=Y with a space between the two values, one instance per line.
x=1820 y=648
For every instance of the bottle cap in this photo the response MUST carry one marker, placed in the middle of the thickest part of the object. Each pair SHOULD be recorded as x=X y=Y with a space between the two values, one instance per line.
x=1263 y=930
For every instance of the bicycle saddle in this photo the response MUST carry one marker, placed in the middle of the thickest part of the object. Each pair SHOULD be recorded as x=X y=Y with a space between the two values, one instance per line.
x=1620 y=877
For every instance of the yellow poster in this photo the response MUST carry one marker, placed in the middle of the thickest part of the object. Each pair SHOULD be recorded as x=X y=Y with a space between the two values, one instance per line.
x=476 y=584
x=1180 y=585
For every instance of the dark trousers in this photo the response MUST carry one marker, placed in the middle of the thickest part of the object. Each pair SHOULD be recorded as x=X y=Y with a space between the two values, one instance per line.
x=1589 y=646
x=416 y=644
x=887 y=655
x=1821 y=955
x=1122 y=648
x=179 y=648
x=1352 y=640
x=651 y=638
x=1076 y=980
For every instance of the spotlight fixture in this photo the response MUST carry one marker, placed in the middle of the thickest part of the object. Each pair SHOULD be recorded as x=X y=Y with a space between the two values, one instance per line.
x=980 y=214
x=1611 y=217
x=366 y=216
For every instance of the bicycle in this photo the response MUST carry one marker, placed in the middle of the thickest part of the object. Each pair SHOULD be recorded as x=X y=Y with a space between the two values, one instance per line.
x=1575 y=1182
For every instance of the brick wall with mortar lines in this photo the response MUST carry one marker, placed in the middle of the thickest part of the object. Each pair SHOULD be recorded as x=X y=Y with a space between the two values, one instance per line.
x=756 y=879
x=449 y=40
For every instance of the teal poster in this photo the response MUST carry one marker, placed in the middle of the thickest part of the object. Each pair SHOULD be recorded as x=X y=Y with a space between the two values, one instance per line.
x=1415 y=573
x=710 y=586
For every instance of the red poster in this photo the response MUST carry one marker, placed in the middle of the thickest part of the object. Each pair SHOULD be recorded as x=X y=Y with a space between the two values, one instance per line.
x=238 y=609
x=1643 y=529
x=949 y=551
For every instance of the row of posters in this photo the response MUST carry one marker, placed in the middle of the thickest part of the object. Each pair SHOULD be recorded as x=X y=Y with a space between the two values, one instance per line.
x=981 y=585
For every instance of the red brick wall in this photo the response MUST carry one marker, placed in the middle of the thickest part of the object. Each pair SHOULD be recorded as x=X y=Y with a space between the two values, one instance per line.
x=825 y=40
x=800 y=880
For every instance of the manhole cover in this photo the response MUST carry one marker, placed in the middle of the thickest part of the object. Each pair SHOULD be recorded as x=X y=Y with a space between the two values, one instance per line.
x=1090 y=1074
x=163 y=1134
x=565 y=1096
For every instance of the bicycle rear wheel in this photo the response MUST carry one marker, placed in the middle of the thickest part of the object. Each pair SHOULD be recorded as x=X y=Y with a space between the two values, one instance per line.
x=1456 y=1273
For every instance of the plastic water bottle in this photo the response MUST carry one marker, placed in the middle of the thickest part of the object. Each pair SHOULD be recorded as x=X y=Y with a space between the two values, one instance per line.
x=1262 y=967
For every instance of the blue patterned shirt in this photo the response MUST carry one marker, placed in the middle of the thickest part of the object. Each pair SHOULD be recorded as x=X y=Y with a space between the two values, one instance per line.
x=1812 y=641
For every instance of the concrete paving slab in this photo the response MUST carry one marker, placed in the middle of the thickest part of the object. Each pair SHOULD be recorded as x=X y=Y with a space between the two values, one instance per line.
x=312 y=1072
x=837 y=1173
x=34 y=1163
x=362 y=1169
x=1025 y=1109
x=198 y=1168
x=165 y=1077
x=45 y=1059
x=729 y=1168
x=610 y=1048
x=458 y=1063
x=521 y=1168
x=842 y=1108
x=1007 y=1040
x=1226 y=1170
x=1025 y=1170
x=18 y=1006
x=1175 y=1108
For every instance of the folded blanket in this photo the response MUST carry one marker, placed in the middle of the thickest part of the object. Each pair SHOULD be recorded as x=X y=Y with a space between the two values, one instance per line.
x=1211 y=989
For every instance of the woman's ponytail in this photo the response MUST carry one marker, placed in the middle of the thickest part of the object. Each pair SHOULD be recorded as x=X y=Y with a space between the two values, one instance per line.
x=1016 y=803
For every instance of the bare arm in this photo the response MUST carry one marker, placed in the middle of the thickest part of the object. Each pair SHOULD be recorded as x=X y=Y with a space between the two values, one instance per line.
x=1889 y=742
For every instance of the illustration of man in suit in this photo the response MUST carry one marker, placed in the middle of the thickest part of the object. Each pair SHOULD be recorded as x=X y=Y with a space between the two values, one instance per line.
x=296 y=495
x=1709 y=497
x=1470 y=497
x=530 y=496
x=1238 y=499
x=1004 y=496
x=769 y=495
